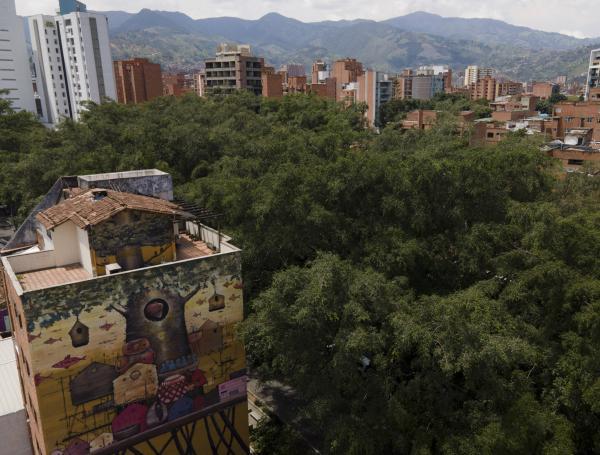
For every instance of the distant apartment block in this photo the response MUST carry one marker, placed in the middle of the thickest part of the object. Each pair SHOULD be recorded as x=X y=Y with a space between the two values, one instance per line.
x=73 y=62
x=592 y=87
x=137 y=80
x=234 y=68
x=345 y=72
x=293 y=70
x=438 y=70
x=423 y=85
x=508 y=88
x=484 y=89
x=473 y=73
x=15 y=73
x=374 y=88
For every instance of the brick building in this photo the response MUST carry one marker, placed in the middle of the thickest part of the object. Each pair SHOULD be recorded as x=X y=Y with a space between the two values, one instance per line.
x=325 y=89
x=137 y=80
x=484 y=89
x=177 y=84
x=272 y=83
x=344 y=72
x=576 y=115
x=545 y=90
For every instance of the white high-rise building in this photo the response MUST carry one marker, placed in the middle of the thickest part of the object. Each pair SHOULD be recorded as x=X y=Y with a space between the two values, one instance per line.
x=15 y=71
x=73 y=62
x=473 y=73
x=592 y=87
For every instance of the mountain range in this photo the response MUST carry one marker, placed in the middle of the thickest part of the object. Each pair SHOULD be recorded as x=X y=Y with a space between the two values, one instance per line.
x=179 y=42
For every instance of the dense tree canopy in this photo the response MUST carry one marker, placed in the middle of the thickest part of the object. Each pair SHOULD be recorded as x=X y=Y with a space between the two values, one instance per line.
x=424 y=296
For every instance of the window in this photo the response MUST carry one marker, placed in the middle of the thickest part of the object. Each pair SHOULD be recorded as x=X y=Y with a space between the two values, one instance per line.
x=574 y=162
x=490 y=135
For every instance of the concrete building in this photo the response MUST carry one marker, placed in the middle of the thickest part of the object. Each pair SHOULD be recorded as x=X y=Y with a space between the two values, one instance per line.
x=137 y=80
x=234 y=68
x=508 y=88
x=374 y=89
x=124 y=307
x=73 y=63
x=592 y=87
x=15 y=73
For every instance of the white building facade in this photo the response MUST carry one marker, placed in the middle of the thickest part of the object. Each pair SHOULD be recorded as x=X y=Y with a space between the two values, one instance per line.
x=592 y=88
x=15 y=71
x=73 y=63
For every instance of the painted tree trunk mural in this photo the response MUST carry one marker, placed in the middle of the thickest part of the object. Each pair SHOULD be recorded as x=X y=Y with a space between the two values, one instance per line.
x=159 y=317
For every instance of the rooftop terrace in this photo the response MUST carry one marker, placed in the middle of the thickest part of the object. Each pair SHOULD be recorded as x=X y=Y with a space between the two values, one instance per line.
x=41 y=278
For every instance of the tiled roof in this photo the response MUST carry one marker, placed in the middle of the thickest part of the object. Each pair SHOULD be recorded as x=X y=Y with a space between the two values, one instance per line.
x=97 y=205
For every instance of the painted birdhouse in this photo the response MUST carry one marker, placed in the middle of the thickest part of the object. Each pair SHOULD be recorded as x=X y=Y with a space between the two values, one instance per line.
x=80 y=334
x=217 y=301
x=93 y=382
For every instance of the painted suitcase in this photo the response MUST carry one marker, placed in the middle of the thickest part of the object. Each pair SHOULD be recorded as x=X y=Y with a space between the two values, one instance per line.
x=140 y=382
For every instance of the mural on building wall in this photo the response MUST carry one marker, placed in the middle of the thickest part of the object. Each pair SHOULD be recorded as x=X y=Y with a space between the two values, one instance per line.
x=124 y=354
x=133 y=239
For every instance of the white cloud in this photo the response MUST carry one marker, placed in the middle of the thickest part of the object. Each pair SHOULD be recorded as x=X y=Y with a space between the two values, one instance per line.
x=574 y=17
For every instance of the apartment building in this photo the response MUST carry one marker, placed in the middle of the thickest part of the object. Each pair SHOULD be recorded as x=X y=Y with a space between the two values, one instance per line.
x=508 y=88
x=15 y=72
x=137 y=80
x=422 y=85
x=345 y=71
x=484 y=89
x=73 y=62
x=592 y=87
x=374 y=88
x=234 y=68
x=438 y=70
x=473 y=73
x=124 y=306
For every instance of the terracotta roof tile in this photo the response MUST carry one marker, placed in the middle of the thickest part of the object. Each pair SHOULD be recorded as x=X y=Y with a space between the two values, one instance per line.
x=97 y=205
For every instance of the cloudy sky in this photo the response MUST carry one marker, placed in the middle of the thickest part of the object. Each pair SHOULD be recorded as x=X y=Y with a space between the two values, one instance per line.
x=574 y=17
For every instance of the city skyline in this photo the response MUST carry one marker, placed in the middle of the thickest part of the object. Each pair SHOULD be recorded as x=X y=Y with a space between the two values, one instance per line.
x=536 y=14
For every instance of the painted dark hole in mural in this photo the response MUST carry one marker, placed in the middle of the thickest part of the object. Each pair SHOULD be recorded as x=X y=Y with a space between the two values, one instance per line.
x=156 y=310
